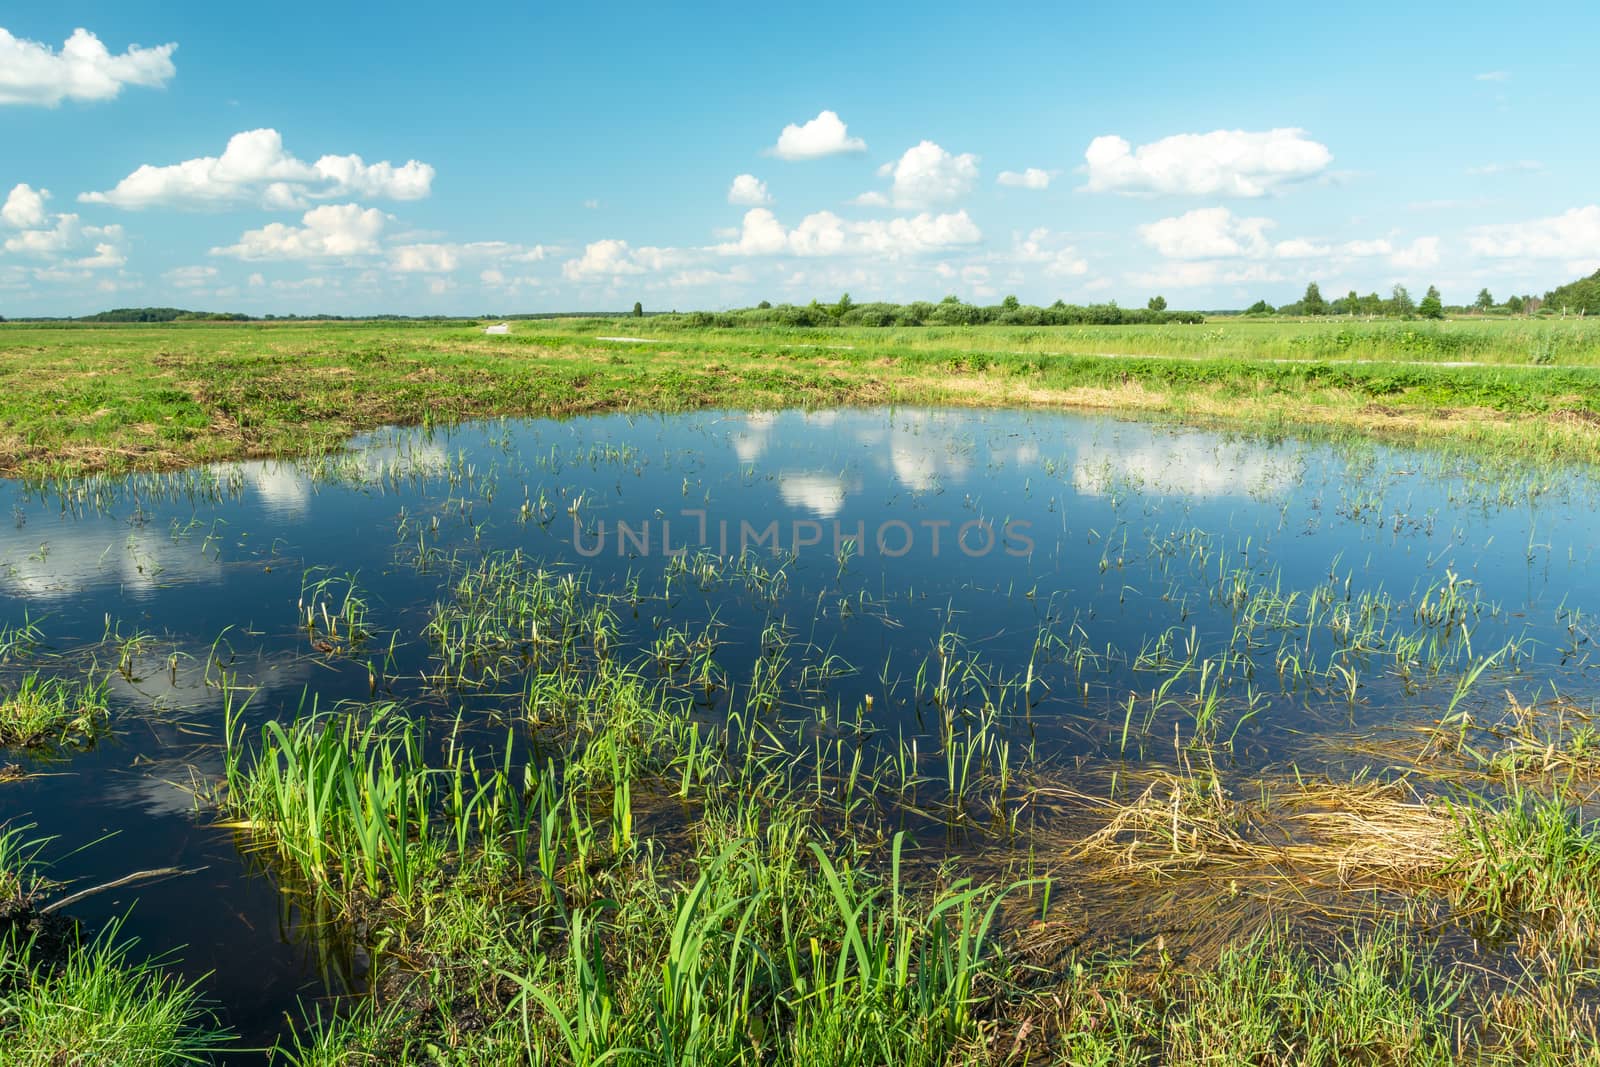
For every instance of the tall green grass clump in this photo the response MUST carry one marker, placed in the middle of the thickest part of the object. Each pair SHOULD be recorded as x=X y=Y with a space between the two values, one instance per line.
x=99 y=1006
x=530 y=901
x=42 y=711
x=345 y=798
x=65 y=1002
x=1531 y=866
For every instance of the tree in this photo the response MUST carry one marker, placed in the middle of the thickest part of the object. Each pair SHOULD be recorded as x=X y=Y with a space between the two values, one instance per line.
x=1010 y=303
x=1260 y=307
x=844 y=305
x=1484 y=301
x=1312 y=303
x=1157 y=303
x=765 y=305
x=638 y=310
x=1400 y=303
x=1431 y=307
x=1351 y=302
x=1514 y=304
x=1579 y=297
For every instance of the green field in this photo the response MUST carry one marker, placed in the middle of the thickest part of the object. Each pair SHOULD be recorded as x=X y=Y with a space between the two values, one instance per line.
x=81 y=398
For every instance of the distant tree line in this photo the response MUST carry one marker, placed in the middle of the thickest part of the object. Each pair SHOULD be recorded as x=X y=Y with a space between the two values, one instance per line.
x=1581 y=297
x=951 y=311
x=1399 y=304
x=163 y=315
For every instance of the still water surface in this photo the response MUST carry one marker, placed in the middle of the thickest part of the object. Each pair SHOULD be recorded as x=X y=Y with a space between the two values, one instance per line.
x=864 y=534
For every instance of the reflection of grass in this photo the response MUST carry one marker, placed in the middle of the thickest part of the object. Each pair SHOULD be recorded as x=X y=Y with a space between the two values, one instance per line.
x=136 y=397
x=43 y=711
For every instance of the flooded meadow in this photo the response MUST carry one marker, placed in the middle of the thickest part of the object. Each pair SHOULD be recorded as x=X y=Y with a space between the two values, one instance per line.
x=855 y=735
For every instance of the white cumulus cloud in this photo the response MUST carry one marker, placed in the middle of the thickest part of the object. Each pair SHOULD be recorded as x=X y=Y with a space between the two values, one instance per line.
x=24 y=207
x=65 y=235
x=190 y=277
x=438 y=258
x=423 y=259
x=1422 y=252
x=749 y=191
x=1299 y=248
x=1207 y=233
x=613 y=258
x=825 y=234
x=1573 y=236
x=1191 y=275
x=1205 y=244
x=927 y=175
x=1043 y=251
x=1032 y=178
x=1236 y=163
x=256 y=168
x=84 y=69
x=825 y=135
x=331 y=231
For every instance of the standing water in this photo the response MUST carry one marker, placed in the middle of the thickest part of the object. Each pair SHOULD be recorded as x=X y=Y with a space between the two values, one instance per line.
x=1118 y=591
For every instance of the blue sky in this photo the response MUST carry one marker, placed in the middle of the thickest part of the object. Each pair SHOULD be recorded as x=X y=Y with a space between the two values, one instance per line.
x=502 y=158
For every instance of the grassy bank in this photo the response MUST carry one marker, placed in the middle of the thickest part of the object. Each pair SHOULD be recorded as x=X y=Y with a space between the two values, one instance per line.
x=75 y=399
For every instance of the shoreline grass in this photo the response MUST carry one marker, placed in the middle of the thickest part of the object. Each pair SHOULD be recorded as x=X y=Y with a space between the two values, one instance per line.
x=89 y=399
x=69 y=999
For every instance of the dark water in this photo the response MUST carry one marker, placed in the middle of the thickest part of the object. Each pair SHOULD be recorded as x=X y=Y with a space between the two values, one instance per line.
x=891 y=528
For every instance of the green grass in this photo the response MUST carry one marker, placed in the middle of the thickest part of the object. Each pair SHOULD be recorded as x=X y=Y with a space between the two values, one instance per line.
x=1269 y=1001
x=541 y=916
x=576 y=945
x=98 y=1006
x=20 y=881
x=1569 y=342
x=88 y=398
x=64 y=1001
x=629 y=877
x=42 y=711
x=1531 y=868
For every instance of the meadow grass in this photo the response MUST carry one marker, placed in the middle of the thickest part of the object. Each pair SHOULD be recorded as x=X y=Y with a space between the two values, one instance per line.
x=116 y=398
